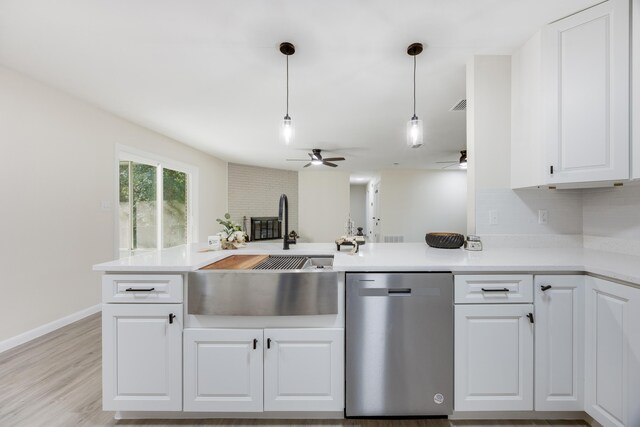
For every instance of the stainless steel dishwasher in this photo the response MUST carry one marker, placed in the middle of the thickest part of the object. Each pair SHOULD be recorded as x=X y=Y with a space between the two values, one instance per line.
x=399 y=344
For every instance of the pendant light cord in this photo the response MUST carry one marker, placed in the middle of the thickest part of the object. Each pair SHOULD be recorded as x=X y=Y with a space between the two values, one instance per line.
x=288 y=85
x=414 y=85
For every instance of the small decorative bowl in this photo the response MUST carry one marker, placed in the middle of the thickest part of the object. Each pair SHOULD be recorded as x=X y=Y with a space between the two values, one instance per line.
x=444 y=240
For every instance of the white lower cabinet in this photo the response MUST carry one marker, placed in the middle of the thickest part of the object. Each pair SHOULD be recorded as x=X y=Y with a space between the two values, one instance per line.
x=493 y=357
x=304 y=370
x=612 y=388
x=142 y=357
x=559 y=343
x=226 y=370
x=223 y=370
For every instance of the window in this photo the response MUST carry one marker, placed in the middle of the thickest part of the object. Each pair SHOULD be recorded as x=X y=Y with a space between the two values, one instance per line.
x=155 y=203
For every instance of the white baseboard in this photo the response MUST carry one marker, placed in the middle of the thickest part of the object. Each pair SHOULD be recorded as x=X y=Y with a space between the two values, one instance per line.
x=519 y=415
x=277 y=415
x=48 y=327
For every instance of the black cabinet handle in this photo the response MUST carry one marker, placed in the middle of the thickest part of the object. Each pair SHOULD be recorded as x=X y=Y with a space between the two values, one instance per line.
x=171 y=317
x=255 y=343
x=268 y=342
x=399 y=291
x=495 y=290
x=140 y=289
x=530 y=316
x=545 y=287
x=551 y=169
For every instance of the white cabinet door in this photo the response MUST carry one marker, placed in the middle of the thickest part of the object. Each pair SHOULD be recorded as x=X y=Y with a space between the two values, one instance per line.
x=586 y=94
x=142 y=357
x=304 y=370
x=493 y=357
x=612 y=353
x=223 y=370
x=559 y=338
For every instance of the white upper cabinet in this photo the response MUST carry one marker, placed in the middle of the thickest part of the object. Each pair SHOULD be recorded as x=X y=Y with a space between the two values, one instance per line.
x=585 y=79
x=570 y=101
x=526 y=115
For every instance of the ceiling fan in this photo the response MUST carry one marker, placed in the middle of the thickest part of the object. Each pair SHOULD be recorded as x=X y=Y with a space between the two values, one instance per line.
x=317 y=159
x=462 y=162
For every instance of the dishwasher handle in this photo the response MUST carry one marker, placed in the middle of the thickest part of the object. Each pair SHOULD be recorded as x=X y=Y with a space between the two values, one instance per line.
x=399 y=291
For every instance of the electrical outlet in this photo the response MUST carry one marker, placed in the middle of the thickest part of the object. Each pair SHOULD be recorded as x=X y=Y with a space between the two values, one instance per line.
x=493 y=217
x=105 y=205
x=543 y=216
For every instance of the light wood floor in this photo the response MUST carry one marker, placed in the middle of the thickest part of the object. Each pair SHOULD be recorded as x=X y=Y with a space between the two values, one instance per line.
x=55 y=380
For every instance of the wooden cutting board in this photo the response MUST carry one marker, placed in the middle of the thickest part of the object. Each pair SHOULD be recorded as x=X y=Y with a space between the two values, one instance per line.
x=236 y=262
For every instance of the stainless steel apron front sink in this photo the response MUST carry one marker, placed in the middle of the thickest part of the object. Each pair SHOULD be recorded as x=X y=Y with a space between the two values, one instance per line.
x=309 y=289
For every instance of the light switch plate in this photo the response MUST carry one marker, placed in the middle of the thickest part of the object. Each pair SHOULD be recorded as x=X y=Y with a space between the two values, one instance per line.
x=543 y=216
x=493 y=217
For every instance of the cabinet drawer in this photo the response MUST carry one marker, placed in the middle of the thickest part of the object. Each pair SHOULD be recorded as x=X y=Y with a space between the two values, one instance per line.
x=493 y=288
x=141 y=288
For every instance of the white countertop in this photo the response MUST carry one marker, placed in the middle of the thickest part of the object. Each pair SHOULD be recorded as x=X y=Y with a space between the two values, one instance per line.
x=401 y=257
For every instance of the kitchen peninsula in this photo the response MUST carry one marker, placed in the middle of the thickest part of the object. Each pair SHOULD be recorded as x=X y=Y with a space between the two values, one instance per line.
x=400 y=257
x=567 y=312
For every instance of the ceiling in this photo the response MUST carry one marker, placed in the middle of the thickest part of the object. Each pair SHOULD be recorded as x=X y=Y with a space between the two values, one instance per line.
x=209 y=73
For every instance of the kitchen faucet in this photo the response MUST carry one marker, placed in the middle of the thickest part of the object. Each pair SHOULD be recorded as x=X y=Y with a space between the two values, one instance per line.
x=283 y=208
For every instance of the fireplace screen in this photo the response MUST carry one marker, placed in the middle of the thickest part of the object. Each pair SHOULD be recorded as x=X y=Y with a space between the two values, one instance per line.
x=265 y=228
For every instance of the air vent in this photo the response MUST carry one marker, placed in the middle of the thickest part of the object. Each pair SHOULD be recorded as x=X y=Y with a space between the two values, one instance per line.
x=460 y=106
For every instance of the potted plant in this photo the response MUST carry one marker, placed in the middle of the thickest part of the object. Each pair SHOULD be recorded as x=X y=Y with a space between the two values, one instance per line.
x=231 y=236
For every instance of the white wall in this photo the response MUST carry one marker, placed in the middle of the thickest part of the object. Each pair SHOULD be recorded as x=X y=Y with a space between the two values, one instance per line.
x=611 y=219
x=323 y=198
x=255 y=192
x=416 y=202
x=489 y=144
x=358 y=205
x=489 y=136
x=58 y=167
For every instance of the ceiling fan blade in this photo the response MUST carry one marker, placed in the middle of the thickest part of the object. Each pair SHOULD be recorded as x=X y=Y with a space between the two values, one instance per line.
x=334 y=159
x=333 y=165
x=307 y=165
x=312 y=156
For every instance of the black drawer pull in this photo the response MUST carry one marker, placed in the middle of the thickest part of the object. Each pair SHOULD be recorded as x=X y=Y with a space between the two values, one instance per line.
x=171 y=317
x=268 y=342
x=495 y=290
x=140 y=289
x=255 y=343
x=530 y=317
x=399 y=291
x=545 y=287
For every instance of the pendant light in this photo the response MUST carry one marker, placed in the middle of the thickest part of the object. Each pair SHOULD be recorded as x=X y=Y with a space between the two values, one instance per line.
x=414 y=126
x=286 y=128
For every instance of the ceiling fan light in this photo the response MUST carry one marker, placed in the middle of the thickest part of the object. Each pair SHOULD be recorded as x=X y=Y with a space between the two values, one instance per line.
x=463 y=159
x=316 y=162
x=286 y=130
x=414 y=132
